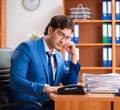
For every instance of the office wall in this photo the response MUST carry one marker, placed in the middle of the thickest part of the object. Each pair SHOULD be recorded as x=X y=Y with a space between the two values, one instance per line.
x=20 y=21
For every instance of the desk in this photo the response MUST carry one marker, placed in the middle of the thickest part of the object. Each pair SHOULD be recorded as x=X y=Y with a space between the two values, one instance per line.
x=86 y=102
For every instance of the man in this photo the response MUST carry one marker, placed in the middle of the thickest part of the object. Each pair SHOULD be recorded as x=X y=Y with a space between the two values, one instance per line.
x=30 y=78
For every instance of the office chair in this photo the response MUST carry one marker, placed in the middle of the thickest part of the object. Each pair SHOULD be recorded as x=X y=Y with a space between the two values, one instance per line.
x=5 y=56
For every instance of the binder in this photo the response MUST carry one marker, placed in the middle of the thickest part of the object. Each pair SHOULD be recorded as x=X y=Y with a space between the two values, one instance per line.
x=118 y=33
x=66 y=58
x=109 y=10
x=109 y=33
x=106 y=10
x=117 y=11
x=109 y=56
x=104 y=33
x=76 y=34
x=104 y=57
x=78 y=54
x=72 y=37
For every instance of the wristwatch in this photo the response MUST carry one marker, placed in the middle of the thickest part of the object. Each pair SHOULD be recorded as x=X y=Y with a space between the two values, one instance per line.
x=45 y=87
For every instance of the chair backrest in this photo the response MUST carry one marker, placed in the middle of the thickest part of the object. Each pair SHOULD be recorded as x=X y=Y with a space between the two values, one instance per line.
x=5 y=56
x=5 y=99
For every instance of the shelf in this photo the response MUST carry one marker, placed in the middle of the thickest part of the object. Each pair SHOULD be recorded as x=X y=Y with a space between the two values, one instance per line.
x=92 y=44
x=118 y=68
x=90 y=40
x=90 y=37
x=118 y=21
x=92 y=21
x=96 y=68
x=117 y=44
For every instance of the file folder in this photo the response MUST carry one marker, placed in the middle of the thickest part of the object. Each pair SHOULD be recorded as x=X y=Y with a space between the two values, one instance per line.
x=118 y=33
x=66 y=58
x=109 y=56
x=104 y=33
x=117 y=11
x=109 y=33
x=76 y=34
x=105 y=57
x=72 y=37
x=109 y=10
x=78 y=53
x=106 y=10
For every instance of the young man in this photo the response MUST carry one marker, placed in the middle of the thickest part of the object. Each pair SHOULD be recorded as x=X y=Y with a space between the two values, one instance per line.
x=30 y=78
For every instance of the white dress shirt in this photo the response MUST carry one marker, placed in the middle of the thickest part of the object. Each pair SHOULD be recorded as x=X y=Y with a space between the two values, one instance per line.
x=52 y=59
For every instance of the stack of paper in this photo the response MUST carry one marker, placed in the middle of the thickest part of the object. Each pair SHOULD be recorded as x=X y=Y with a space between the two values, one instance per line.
x=102 y=83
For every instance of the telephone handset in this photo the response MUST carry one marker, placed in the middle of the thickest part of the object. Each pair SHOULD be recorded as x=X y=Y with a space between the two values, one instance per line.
x=72 y=89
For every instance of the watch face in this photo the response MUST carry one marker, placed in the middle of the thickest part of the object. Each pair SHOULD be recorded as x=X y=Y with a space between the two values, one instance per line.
x=31 y=4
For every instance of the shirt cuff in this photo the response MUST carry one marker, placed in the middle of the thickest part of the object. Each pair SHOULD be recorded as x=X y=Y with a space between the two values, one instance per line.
x=45 y=87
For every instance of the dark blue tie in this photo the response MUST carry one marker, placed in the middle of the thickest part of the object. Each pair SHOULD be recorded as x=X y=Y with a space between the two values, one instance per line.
x=50 y=68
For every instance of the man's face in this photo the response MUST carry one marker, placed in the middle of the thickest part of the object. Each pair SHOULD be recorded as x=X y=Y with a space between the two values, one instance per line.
x=59 y=38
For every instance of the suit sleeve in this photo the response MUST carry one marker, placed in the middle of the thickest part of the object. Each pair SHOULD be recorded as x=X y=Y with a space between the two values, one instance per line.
x=18 y=72
x=71 y=75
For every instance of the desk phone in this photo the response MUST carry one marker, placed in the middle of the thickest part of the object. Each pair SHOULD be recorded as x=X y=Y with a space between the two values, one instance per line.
x=72 y=89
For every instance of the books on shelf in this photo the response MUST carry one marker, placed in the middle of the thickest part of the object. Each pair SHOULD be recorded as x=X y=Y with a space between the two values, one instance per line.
x=104 y=57
x=107 y=57
x=117 y=33
x=66 y=58
x=109 y=32
x=106 y=33
x=109 y=64
x=75 y=36
x=78 y=53
x=117 y=11
x=106 y=10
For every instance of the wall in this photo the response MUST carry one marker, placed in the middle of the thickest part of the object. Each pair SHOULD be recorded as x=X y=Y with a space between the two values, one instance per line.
x=20 y=21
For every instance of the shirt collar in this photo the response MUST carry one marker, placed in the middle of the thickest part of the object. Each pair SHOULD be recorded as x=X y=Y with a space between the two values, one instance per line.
x=47 y=49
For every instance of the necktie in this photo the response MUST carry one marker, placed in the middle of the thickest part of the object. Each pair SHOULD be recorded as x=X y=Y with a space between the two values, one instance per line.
x=50 y=68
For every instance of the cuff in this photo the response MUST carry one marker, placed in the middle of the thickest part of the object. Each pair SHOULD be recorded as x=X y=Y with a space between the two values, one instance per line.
x=45 y=87
x=76 y=66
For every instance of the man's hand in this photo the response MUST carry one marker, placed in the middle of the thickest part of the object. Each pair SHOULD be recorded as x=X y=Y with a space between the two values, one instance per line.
x=70 y=47
x=51 y=89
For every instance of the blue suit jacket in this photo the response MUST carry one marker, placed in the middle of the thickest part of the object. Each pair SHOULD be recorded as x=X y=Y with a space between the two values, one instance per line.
x=29 y=71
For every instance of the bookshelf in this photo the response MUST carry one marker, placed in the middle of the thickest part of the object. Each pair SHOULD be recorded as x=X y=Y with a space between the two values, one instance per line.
x=2 y=23
x=90 y=44
x=90 y=32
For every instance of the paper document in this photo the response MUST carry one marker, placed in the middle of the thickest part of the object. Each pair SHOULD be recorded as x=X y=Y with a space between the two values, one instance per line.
x=103 y=90
x=102 y=83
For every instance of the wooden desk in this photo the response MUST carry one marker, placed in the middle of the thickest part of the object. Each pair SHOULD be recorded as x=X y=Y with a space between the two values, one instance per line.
x=86 y=102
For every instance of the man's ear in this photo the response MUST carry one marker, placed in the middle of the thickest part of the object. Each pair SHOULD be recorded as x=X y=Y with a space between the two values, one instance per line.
x=50 y=30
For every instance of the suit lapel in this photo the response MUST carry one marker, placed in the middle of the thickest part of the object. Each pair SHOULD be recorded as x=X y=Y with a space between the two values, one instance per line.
x=42 y=53
x=60 y=66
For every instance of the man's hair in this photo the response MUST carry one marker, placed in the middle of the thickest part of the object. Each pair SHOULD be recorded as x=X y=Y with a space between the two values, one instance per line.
x=60 y=21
